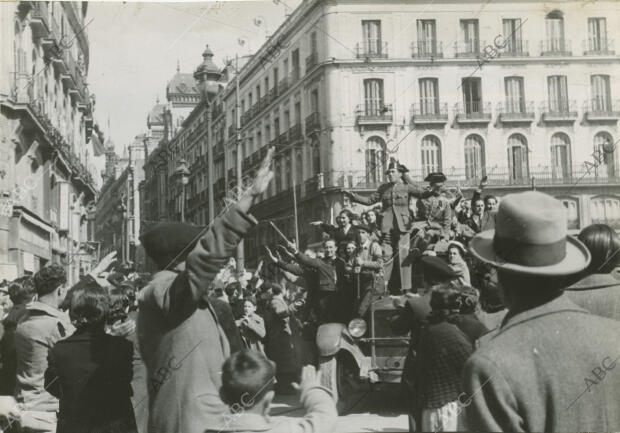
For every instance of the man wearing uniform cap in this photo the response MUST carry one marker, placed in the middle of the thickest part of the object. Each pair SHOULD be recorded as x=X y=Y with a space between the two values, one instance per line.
x=396 y=222
x=551 y=366
x=434 y=213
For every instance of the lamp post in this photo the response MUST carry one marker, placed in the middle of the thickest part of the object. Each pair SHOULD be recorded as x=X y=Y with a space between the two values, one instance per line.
x=182 y=174
x=122 y=209
x=207 y=77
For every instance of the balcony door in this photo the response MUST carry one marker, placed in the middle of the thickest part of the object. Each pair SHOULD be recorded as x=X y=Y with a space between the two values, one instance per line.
x=429 y=96
x=558 y=93
x=601 y=95
x=518 y=159
x=431 y=155
x=373 y=97
x=474 y=157
x=470 y=36
x=472 y=95
x=427 y=37
x=512 y=35
x=371 y=32
x=603 y=145
x=560 y=156
x=554 y=25
x=376 y=160
x=597 y=34
x=515 y=98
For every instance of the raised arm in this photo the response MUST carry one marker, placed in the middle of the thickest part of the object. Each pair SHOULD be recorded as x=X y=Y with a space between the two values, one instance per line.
x=373 y=198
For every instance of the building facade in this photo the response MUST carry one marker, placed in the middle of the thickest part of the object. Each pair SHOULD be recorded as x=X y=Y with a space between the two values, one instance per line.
x=47 y=170
x=497 y=89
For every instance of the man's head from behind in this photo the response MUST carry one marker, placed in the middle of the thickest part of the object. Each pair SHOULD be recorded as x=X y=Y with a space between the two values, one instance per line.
x=21 y=290
x=49 y=281
x=247 y=382
x=169 y=243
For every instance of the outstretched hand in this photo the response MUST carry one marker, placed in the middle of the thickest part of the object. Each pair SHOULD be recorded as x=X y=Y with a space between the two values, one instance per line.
x=263 y=175
x=105 y=263
x=270 y=255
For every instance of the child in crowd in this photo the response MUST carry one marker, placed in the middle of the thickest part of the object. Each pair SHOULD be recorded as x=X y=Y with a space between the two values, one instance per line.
x=247 y=387
x=251 y=326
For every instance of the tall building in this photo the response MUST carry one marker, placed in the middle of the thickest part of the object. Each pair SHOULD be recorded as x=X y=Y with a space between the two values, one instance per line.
x=497 y=89
x=46 y=165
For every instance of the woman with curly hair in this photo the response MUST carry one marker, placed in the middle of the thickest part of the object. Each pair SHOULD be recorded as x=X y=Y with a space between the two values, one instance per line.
x=90 y=371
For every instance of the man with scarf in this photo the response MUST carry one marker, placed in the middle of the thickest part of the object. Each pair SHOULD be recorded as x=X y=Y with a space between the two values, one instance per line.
x=184 y=336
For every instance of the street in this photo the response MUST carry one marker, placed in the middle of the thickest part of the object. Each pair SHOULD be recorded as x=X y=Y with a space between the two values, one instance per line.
x=379 y=410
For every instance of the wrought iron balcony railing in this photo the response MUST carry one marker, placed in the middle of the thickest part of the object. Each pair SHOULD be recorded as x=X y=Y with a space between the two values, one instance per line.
x=561 y=110
x=470 y=48
x=313 y=122
x=429 y=112
x=311 y=61
x=516 y=111
x=294 y=133
x=598 y=47
x=374 y=114
x=515 y=48
x=372 y=50
x=427 y=49
x=555 y=47
x=601 y=109
x=473 y=112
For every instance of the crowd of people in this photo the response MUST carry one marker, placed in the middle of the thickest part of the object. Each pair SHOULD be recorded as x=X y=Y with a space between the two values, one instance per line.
x=511 y=322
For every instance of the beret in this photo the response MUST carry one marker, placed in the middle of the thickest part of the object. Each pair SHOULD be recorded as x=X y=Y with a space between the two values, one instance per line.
x=170 y=242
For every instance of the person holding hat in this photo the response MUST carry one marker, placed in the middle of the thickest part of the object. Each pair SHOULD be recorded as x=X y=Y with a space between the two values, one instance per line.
x=395 y=222
x=434 y=214
x=544 y=369
x=185 y=337
x=369 y=261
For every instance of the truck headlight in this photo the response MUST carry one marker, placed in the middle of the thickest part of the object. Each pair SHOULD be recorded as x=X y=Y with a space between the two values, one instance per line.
x=357 y=327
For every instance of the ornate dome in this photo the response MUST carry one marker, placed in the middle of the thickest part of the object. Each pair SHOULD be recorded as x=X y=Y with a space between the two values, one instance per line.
x=156 y=116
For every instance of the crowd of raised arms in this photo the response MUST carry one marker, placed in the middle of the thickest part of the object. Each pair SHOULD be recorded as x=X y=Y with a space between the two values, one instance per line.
x=506 y=315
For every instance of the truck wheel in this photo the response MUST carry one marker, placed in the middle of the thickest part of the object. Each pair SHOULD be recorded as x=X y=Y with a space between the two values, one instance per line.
x=339 y=374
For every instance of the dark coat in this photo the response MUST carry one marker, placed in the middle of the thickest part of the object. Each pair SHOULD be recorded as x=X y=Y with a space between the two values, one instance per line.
x=599 y=294
x=184 y=337
x=90 y=373
x=394 y=198
x=550 y=368
x=282 y=334
x=338 y=235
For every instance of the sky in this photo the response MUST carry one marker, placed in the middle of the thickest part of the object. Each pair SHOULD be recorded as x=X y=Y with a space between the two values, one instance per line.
x=135 y=47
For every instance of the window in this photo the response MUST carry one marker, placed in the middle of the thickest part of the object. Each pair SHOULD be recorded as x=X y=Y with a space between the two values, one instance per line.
x=313 y=45
x=275 y=77
x=429 y=96
x=470 y=36
x=297 y=113
x=431 y=155
x=316 y=158
x=299 y=167
x=259 y=138
x=474 y=157
x=601 y=95
x=554 y=25
x=250 y=101
x=606 y=210
x=597 y=34
x=427 y=37
x=515 y=99
x=288 y=175
x=373 y=96
x=558 y=93
x=267 y=133
x=314 y=101
x=285 y=68
x=287 y=120
x=603 y=146
x=296 y=73
x=278 y=176
x=266 y=85
x=371 y=33
x=518 y=158
x=512 y=35
x=560 y=156
x=276 y=127
x=376 y=160
x=258 y=93
x=472 y=95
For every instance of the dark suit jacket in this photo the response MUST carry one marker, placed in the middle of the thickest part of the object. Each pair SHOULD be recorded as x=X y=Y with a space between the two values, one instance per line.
x=599 y=294
x=90 y=373
x=550 y=368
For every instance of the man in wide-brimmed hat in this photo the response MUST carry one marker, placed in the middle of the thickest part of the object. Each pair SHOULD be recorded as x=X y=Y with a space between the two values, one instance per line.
x=396 y=222
x=550 y=365
x=184 y=336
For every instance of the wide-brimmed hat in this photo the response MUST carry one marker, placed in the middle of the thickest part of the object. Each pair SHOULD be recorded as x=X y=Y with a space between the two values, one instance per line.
x=170 y=242
x=435 y=177
x=530 y=237
x=393 y=164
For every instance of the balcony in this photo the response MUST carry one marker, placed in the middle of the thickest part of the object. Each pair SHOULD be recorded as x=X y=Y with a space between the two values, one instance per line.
x=562 y=111
x=313 y=123
x=601 y=110
x=283 y=86
x=311 y=61
x=245 y=118
x=555 y=47
x=598 y=47
x=467 y=49
x=517 y=112
x=294 y=133
x=232 y=131
x=283 y=138
x=372 y=50
x=515 y=48
x=374 y=114
x=427 y=49
x=38 y=19
x=232 y=174
x=429 y=114
x=272 y=95
x=474 y=112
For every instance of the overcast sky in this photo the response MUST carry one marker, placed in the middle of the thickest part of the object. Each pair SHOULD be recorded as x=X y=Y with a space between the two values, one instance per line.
x=134 y=48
